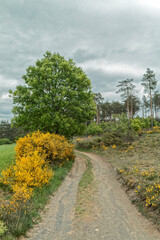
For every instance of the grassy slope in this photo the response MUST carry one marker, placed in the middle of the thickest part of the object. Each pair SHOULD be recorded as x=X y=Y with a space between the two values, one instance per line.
x=7 y=155
x=140 y=168
x=145 y=152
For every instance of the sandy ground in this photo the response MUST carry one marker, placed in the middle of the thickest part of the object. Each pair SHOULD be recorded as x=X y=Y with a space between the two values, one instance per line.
x=116 y=218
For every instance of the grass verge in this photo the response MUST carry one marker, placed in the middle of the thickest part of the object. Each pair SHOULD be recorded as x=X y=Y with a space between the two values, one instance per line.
x=86 y=192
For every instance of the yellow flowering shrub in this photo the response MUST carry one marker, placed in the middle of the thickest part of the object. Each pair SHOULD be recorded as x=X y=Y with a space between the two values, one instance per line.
x=33 y=155
x=53 y=147
x=156 y=129
x=13 y=212
x=146 y=183
x=114 y=146
x=32 y=169
x=104 y=147
x=27 y=172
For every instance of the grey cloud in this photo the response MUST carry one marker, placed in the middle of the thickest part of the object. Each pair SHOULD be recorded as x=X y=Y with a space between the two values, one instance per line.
x=117 y=31
x=82 y=55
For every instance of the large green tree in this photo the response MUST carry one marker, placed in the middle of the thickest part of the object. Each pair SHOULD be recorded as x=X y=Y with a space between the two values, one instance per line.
x=56 y=97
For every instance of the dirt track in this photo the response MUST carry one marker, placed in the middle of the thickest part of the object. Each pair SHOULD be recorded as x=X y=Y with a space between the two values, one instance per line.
x=116 y=218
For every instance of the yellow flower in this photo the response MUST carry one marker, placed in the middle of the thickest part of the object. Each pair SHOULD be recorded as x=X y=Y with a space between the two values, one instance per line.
x=104 y=147
x=114 y=146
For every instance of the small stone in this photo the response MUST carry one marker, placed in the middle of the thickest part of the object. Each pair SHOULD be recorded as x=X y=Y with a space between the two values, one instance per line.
x=96 y=229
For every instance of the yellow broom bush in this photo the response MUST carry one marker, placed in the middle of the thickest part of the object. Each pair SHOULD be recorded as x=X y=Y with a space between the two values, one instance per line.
x=33 y=155
x=53 y=147
x=32 y=169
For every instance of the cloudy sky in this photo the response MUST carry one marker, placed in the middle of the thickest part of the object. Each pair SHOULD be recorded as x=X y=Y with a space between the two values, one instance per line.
x=110 y=39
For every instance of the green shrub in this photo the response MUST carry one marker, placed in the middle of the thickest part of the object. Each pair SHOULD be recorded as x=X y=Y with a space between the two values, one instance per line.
x=108 y=139
x=5 y=141
x=142 y=123
x=93 y=129
x=3 y=228
x=88 y=143
x=136 y=124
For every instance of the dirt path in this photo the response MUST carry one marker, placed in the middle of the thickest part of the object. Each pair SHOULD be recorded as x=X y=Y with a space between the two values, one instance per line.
x=119 y=219
x=116 y=218
x=57 y=220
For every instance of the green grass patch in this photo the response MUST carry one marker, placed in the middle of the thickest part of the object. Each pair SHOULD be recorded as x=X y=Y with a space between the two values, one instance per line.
x=7 y=155
x=86 y=191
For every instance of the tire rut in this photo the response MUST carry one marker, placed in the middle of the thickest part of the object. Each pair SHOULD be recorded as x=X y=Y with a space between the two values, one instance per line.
x=57 y=220
x=116 y=218
x=119 y=219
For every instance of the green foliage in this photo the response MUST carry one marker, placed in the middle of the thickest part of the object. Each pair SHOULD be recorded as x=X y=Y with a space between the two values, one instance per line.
x=5 y=141
x=8 y=131
x=115 y=132
x=93 y=129
x=57 y=97
x=139 y=124
x=3 y=228
x=148 y=81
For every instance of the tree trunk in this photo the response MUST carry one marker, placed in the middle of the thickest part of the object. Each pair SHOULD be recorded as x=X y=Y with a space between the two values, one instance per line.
x=155 y=110
x=105 y=114
x=151 y=109
x=145 y=112
x=128 y=105
x=131 y=108
x=97 y=114
x=142 y=111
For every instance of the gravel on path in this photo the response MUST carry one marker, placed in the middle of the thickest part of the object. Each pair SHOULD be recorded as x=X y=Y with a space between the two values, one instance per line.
x=59 y=213
x=119 y=218
x=116 y=218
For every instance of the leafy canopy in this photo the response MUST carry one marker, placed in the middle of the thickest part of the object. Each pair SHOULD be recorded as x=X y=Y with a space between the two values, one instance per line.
x=56 y=97
x=149 y=81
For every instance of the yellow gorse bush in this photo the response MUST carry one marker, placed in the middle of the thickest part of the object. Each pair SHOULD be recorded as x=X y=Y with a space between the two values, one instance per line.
x=32 y=169
x=114 y=146
x=139 y=178
x=33 y=155
x=27 y=172
x=52 y=146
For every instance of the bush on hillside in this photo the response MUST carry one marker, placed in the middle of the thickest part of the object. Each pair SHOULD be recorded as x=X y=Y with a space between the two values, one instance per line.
x=5 y=141
x=93 y=129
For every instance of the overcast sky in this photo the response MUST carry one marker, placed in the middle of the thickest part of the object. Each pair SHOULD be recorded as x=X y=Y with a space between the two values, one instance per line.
x=110 y=39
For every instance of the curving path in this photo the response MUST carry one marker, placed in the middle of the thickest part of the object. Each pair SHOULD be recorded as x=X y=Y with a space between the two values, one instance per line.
x=57 y=221
x=116 y=218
